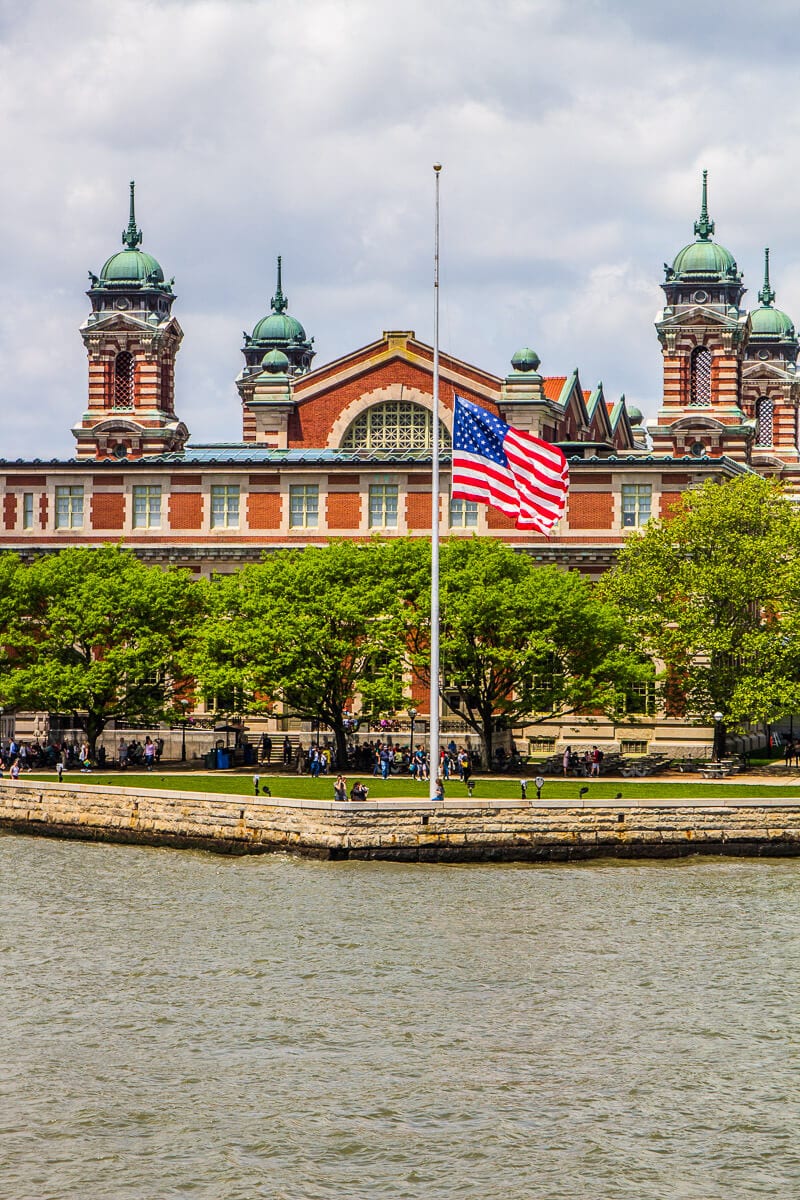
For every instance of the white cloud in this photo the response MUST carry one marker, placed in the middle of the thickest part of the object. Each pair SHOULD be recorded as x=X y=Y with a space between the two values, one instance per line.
x=572 y=134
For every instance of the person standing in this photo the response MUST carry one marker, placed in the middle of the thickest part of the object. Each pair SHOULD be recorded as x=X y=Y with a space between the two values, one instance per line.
x=340 y=789
x=266 y=743
x=597 y=758
x=287 y=751
x=149 y=752
x=567 y=760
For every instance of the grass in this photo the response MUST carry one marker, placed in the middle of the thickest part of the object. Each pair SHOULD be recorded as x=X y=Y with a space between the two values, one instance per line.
x=304 y=788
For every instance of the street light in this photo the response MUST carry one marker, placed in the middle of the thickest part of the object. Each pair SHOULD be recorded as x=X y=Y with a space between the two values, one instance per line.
x=412 y=712
x=718 y=719
x=185 y=704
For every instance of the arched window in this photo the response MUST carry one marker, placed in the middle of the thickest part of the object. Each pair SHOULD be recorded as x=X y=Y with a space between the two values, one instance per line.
x=394 y=425
x=123 y=380
x=764 y=421
x=701 y=376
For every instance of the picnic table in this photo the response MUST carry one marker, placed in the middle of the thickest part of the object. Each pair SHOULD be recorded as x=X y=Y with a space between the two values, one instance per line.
x=718 y=770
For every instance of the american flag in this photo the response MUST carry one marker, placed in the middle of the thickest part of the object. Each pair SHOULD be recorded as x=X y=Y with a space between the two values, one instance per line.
x=509 y=469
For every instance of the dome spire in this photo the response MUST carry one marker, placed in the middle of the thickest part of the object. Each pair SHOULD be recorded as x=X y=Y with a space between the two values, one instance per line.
x=766 y=295
x=131 y=237
x=704 y=227
x=279 y=303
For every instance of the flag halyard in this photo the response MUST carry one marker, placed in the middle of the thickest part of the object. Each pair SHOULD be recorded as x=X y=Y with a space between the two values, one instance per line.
x=507 y=468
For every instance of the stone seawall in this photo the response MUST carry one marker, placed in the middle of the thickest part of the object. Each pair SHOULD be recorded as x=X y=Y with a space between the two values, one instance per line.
x=412 y=830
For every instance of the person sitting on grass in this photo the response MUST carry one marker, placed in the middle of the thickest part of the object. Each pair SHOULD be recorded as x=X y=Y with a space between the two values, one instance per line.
x=359 y=791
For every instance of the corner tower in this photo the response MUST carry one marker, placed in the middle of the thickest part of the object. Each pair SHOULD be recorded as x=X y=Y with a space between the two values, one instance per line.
x=770 y=386
x=131 y=339
x=703 y=333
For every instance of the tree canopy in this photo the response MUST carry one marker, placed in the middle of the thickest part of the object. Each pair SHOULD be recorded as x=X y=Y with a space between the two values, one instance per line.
x=310 y=628
x=520 y=640
x=94 y=634
x=712 y=592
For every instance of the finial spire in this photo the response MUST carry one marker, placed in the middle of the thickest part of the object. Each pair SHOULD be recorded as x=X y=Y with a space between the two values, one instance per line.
x=131 y=237
x=766 y=295
x=704 y=227
x=279 y=302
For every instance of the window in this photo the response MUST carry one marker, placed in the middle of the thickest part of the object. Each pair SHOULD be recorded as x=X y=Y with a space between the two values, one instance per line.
x=146 y=507
x=383 y=506
x=639 y=698
x=395 y=425
x=541 y=745
x=27 y=510
x=636 y=504
x=123 y=380
x=69 y=507
x=463 y=514
x=633 y=747
x=303 y=506
x=701 y=376
x=224 y=506
x=764 y=421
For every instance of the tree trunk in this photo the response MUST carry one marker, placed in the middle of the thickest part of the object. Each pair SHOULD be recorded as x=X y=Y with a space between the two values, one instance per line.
x=341 y=746
x=94 y=726
x=487 y=743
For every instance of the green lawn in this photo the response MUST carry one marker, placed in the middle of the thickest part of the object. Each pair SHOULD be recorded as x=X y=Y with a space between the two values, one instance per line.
x=304 y=788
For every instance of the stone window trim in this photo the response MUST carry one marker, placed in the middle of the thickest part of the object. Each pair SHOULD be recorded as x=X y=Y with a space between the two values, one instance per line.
x=147 y=506
x=305 y=503
x=226 y=505
x=394 y=425
x=71 y=503
x=392 y=394
x=765 y=421
x=636 y=504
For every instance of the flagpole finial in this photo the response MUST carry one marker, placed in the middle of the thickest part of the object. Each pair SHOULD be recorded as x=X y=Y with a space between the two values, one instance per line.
x=437 y=167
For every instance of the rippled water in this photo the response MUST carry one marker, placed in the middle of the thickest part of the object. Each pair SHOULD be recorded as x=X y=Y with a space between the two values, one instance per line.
x=176 y=1024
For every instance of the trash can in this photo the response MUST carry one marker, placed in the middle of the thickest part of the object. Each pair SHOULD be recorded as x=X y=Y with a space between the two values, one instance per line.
x=249 y=755
x=223 y=760
x=210 y=759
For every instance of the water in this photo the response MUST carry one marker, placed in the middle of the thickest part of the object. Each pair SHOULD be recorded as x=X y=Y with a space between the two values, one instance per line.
x=179 y=1025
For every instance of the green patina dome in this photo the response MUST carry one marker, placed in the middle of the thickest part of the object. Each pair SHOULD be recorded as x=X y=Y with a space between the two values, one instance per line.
x=279 y=327
x=771 y=322
x=704 y=258
x=767 y=322
x=635 y=415
x=525 y=360
x=275 y=362
x=131 y=266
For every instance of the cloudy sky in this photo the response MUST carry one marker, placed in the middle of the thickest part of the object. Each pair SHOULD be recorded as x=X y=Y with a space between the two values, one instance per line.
x=572 y=132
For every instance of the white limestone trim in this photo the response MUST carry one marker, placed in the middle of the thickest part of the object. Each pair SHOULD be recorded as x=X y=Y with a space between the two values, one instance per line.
x=394 y=393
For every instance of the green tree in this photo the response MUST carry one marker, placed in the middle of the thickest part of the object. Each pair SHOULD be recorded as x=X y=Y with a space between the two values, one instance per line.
x=519 y=641
x=311 y=629
x=712 y=592
x=95 y=634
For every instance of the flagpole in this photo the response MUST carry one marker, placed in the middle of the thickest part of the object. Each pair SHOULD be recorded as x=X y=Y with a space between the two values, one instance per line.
x=434 y=672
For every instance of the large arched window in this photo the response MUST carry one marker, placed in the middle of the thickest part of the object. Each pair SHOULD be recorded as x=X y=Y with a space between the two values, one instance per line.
x=394 y=425
x=123 y=380
x=764 y=414
x=701 y=376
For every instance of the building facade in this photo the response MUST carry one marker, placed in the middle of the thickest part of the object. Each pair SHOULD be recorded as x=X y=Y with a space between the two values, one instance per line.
x=343 y=449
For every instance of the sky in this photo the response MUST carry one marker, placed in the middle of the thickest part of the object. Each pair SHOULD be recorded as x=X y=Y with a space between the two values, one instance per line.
x=572 y=135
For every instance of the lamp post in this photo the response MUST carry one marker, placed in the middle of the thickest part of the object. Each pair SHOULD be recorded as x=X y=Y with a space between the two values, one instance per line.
x=718 y=718
x=185 y=705
x=412 y=712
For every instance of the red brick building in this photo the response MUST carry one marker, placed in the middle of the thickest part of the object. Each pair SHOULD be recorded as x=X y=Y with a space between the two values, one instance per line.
x=344 y=449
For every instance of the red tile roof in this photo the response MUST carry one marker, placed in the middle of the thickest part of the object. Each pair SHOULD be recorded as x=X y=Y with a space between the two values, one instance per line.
x=553 y=386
